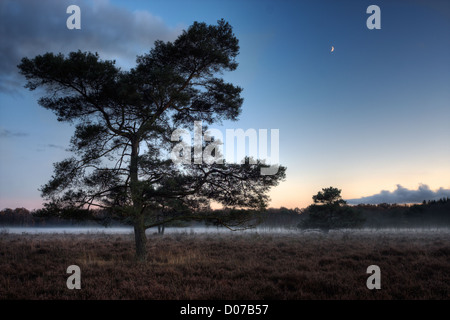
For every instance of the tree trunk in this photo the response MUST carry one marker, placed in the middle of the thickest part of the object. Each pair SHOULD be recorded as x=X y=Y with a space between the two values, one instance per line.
x=139 y=223
x=161 y=229
x=141 y=242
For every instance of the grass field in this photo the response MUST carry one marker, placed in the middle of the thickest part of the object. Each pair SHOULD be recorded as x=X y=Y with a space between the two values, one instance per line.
x=227 y=266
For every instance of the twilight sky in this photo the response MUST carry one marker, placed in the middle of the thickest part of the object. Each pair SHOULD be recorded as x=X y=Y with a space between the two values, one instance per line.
x=371 y=118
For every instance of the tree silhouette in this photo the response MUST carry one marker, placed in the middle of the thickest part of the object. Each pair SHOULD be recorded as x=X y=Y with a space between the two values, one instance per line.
x=124 y=121
x=330 y=211
x=329 y=196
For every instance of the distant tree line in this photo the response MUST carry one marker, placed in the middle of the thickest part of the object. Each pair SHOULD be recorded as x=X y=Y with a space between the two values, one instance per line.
x=329 y=211
x=21 y=217
x=433 y=213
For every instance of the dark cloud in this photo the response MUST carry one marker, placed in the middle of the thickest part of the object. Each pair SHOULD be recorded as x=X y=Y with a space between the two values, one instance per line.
x=30 y=27
x=43 y=147
x=403 y=195
x=55 y=146
x=9 y=134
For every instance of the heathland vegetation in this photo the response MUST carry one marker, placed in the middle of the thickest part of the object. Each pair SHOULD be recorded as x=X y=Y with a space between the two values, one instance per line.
x=227 y=266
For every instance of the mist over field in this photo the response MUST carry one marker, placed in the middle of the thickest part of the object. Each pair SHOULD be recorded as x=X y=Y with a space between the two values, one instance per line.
x=221 y=231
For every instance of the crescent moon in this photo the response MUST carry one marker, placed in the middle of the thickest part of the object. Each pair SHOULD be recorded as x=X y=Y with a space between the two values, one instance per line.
x=332 y=48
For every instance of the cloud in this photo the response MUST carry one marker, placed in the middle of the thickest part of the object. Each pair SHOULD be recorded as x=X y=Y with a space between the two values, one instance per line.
x=29 y=28
x=10 y=134
x=55 y=146
x=43 y=147
x=403 y=195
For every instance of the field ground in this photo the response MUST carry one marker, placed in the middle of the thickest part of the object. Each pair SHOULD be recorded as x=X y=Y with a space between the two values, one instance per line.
x=227 y=266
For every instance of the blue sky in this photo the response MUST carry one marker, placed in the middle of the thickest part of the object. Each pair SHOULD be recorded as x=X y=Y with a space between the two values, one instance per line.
x=371 y=115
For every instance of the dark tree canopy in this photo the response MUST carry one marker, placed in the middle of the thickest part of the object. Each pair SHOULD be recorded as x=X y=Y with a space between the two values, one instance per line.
x=329 y=196
x=330 y=211
x=123 y=123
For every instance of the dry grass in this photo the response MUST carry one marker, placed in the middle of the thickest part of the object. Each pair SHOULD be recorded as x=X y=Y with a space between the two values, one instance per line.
x=233 y=266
